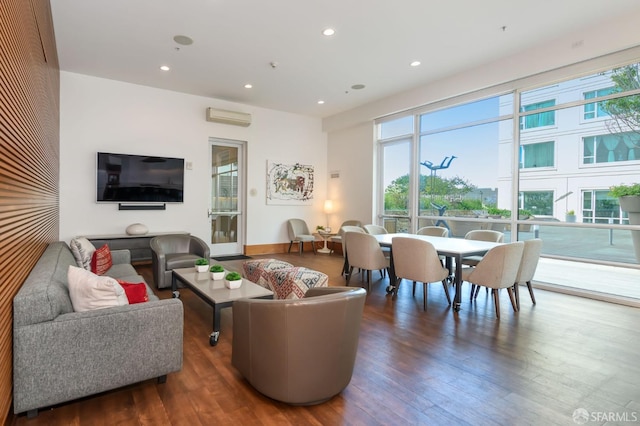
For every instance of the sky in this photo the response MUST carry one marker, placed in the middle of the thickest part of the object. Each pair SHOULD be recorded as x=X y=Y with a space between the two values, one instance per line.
x=475 y=147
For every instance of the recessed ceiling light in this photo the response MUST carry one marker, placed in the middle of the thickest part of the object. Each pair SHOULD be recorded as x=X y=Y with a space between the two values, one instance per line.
x=248 y=86
x=165 y=68
x=415 y=63
x=320 y=102
x=358 y=86
x=183 y=40
x=328 y=31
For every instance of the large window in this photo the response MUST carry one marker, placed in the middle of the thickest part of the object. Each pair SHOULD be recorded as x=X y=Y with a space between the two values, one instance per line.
x=536 y=155
x=573 y=140
x=395 y=128
x=596 y=109
x=395 y=156
x=600 y=207
x=541 y=119
x=396 y=178
x=455 y=168
x=611 y=148
x=536 y=203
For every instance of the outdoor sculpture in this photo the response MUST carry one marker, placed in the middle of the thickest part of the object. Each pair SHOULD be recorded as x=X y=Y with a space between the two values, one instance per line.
x=429 y=165
x=434 y=169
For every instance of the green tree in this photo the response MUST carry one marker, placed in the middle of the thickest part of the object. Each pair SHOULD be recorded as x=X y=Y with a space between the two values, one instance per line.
x=396 y=195
x=624 y=111
x=446 y=186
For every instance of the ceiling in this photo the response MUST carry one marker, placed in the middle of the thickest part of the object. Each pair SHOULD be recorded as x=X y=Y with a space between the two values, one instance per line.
x=278 y=46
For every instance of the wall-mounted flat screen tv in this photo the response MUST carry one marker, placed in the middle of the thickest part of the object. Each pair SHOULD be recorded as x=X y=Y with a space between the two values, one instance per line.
x=139 y=178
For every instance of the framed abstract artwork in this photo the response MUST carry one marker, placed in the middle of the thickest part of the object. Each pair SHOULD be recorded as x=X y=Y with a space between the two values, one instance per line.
x=289 y=184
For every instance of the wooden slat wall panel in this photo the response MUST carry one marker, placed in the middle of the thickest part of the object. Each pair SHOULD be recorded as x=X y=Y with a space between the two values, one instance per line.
x=29 y=156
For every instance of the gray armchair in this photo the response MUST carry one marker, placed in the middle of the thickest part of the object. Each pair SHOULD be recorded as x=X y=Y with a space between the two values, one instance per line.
x=299 y=351
x=169 y=252
x=299 y=233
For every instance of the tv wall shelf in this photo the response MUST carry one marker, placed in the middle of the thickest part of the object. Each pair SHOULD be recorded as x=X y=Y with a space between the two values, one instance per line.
x=142 y=206
x=138 y=245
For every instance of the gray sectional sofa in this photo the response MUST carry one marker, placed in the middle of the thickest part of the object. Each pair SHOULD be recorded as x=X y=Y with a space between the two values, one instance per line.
x=61 y=355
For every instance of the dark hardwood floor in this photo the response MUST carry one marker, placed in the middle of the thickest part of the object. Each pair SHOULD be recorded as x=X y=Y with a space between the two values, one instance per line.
x=414 y=367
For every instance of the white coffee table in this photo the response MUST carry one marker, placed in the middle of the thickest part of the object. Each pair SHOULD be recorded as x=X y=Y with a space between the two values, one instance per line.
x=215 y=293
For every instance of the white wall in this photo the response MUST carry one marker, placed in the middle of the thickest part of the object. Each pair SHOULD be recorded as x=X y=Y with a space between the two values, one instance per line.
x=105 y=115
x=352 y=156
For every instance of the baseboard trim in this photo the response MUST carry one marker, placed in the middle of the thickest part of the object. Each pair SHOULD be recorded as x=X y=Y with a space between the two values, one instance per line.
x=259 y=249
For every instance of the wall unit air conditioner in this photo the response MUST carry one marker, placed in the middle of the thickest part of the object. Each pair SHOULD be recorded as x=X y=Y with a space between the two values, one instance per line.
x=228 y=117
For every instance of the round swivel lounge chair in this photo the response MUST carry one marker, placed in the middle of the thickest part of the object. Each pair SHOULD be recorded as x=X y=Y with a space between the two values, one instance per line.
x=301 y=351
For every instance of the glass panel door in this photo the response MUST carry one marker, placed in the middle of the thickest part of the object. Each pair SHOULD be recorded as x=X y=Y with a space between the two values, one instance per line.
x=395 y=158
x=227 y=194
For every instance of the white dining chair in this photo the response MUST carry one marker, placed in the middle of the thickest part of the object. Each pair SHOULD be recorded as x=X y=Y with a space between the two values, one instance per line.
x=497 y=269
x=530 y=258
x=364 y=252
x=433 y=231
x=375 y=229
x=417 y=260
x=341 y=231
x=481 y=235
x=378 y=230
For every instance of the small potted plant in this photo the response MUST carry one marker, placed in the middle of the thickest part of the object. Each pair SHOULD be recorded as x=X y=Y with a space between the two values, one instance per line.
x=233 y=280
x=570 y=216
x=217 y=272
x=202 y=265
x=624 y=190
x=320 y=229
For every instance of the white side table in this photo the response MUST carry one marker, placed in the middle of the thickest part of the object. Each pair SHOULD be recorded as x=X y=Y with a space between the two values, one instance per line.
x=325 y=236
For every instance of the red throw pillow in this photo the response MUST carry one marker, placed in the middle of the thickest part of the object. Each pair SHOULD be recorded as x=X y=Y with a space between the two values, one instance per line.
x=136 y=292
x=101 y=260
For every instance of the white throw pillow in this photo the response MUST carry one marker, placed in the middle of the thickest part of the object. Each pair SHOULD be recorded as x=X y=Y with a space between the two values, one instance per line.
x=82 y=250
x=89 y=291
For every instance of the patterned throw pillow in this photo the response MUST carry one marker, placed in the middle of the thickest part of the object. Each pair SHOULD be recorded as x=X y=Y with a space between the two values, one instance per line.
x=136 y=292
x=101 y=260
x=82 y=250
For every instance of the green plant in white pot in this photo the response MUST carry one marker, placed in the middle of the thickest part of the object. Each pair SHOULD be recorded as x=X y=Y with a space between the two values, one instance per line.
x=570 y=216
x=202 y=265
x=629 y=198
x=233 y=280
x=217 y=272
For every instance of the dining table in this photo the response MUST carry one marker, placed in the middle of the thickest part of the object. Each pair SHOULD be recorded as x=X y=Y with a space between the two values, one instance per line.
x=454 y=249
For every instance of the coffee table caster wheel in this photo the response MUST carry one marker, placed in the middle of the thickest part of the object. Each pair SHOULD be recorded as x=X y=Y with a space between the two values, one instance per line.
x=213 y=338
x=176 y=294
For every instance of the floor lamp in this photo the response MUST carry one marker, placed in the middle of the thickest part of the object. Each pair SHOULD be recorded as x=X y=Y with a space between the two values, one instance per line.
x=328 y=208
